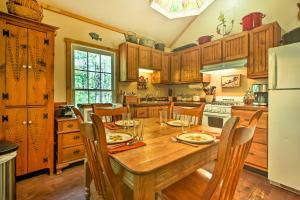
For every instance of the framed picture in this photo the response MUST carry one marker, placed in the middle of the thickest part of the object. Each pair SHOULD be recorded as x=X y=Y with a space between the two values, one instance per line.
x=231 y=81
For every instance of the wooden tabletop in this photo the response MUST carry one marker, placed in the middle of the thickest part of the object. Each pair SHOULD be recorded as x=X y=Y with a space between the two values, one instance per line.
x=159 y=150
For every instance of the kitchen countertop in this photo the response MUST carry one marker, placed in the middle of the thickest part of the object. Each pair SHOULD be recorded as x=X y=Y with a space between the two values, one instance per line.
x=164 y=103
x=251 y=108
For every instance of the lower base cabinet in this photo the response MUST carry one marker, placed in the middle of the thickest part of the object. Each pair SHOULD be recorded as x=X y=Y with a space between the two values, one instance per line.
x=149 y=112
x=258 y=154
x=68 y=143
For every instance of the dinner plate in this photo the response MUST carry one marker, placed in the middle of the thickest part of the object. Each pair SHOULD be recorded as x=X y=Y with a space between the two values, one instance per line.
x=196 y=138
x=175 y=123
x=125 y=123
x=115 y=137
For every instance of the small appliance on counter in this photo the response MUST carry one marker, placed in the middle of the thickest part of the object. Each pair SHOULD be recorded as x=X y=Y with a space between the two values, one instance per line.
x=196 y=97
x=260 y=92
x=65 y=111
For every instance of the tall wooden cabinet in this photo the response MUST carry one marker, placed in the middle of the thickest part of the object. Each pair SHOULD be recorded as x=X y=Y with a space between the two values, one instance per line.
x=175 y=67
x=261 y=39
x=26 y=79
x=165 y=68
x=129 y=61
x=191 y=65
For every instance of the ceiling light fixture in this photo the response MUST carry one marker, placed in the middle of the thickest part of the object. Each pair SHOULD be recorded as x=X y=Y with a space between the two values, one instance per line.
x=180 y=8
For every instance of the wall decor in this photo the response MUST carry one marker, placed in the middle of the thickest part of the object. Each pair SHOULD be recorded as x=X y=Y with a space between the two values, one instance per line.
x=231 y=80
x=223 y=28
x=298 y=4
x=95 y=36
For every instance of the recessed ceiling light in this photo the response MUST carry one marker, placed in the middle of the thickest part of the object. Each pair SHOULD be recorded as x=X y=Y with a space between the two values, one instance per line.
x=180 y=8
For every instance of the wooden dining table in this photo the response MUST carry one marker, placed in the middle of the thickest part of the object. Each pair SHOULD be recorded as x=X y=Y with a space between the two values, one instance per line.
x=161 y=162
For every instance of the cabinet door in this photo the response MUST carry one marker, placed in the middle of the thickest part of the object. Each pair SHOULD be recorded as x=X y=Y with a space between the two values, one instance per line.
x=37 y=139
x=144 y=57
x=16 y=66
x=156 y=59
x=175 y=67
x=261 y=39
x=212 y=52
x=132 y=62
x=38 y=51
x=16 y=131
x=190 y=69
x=236 y=46
x=165 y=68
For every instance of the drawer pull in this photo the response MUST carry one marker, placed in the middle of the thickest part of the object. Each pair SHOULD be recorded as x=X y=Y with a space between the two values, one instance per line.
x=70 y=125
x=76 y=152
x=251 y=153
x=77 y=137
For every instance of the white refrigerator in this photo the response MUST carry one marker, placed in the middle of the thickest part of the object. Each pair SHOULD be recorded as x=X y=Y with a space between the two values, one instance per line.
x=284 y=116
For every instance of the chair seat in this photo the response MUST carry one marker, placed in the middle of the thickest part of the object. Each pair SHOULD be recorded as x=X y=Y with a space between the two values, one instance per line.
x=190 y=188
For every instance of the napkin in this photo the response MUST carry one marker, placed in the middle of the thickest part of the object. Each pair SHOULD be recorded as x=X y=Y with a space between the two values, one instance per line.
x=112 y=126
x=126 y=147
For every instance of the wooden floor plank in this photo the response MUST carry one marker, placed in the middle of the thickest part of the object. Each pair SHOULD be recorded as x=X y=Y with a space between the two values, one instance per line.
x=70 y=186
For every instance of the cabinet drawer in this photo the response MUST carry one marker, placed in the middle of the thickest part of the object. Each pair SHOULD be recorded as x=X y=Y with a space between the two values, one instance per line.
x=245 y=116
x=71 y=139
x=142 y=112
x=258 y=155
x=73 y=153
x=68 y=126
x=260 y=136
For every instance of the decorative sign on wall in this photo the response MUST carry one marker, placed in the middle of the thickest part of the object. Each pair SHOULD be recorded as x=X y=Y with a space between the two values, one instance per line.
x=231 y=81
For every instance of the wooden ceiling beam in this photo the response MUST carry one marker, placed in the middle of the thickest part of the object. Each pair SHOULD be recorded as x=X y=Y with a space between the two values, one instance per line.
x=83 y=19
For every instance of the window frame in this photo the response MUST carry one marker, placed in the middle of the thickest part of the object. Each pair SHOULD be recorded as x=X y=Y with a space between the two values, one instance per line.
x=93 y=48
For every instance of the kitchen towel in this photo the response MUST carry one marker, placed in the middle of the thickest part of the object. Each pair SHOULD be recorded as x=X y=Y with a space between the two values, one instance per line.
x=126 y=147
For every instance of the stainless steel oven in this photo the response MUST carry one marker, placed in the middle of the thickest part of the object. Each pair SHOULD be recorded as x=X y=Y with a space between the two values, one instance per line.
x=216 y=120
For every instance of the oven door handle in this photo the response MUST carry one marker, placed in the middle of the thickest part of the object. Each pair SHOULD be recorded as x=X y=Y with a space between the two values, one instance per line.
x=217 y=116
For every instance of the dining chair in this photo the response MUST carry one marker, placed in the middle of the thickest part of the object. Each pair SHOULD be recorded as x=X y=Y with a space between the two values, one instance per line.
x=195 y=113
x=234 y=147
x=111 y=114
x=106 y=184
x=95 y=106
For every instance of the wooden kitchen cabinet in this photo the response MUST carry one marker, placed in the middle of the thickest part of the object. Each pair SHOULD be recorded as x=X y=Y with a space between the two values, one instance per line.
x=156 y=59
x=141 y=112
x=165 y=68
x=145 y=57
x=261 y=39
x=175 y=67
x=258 y=154
x=191 y=65
x=68 y=143
x=211 y=52
x=236 y=46
x=129 y=61
x=26 y=79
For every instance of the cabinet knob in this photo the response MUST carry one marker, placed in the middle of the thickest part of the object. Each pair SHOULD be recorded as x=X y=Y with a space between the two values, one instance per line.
x=24 y=66
x=29 y=67
x=24 y=122
x=29 y=122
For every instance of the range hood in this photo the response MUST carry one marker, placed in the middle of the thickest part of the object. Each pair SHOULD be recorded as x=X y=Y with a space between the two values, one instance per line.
x=208 y=69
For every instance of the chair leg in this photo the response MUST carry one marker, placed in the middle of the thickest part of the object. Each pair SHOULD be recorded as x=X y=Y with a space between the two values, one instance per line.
x=87 y=180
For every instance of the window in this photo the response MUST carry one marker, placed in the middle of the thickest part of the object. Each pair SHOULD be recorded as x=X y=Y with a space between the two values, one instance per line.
x=92 y=71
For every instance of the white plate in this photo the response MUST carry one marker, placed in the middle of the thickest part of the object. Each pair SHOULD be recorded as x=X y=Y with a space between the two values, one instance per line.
x=175 y=123
x=115 y=138
x=125 y=123
x=197 y=138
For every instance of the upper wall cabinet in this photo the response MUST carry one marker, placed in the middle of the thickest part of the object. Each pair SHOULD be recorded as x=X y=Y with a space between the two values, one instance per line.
x=145 y=57
x=129 y=58
x=236 y=46
x=156 y=59
x=165 y=68
x=191 y=65
x=175 y=67
x=261 y=39
x=212 y=52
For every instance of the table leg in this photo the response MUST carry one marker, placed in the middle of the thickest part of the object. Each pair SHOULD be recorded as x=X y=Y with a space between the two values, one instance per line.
x=87 y=179
x=143 y=187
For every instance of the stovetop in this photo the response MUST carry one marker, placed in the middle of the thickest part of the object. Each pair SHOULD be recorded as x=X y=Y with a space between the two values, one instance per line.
x=223 y=104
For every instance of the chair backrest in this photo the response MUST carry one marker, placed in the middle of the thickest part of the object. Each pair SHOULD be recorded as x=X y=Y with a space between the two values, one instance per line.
x=195 y=113
x=102 y=162
x=111 y=114
x=95 y=106
x=233 y=149
x=78 y=113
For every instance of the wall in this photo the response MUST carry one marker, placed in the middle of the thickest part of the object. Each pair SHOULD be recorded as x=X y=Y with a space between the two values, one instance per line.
x=283 y=11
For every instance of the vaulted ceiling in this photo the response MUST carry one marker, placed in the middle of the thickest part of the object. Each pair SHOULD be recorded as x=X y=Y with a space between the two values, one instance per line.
x=131 y=15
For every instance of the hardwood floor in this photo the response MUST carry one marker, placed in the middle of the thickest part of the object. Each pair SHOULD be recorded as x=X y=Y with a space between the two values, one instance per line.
x=69 y=186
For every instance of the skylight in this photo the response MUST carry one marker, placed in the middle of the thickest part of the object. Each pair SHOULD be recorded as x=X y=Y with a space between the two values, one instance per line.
x=180 y=8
